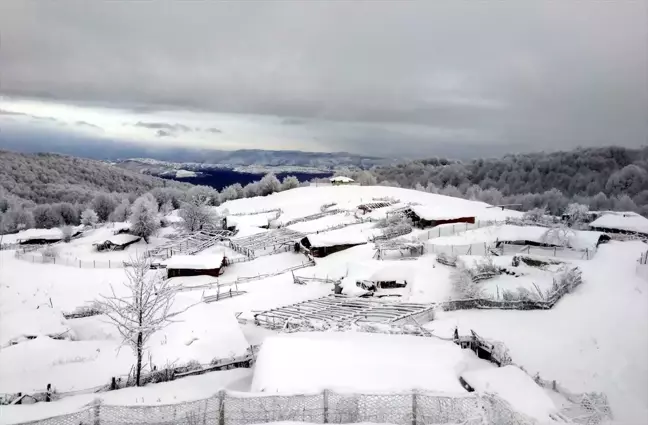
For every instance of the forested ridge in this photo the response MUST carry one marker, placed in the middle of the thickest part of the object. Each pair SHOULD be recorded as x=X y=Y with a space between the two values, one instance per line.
x=47 y=177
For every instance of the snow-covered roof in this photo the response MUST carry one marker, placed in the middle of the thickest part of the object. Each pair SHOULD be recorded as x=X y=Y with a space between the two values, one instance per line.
x=356 y=361
x=44 y=321
x=439 y=213
x=341 y=179
x=196 y=262
x=120 y=239
x=627 y=221
x=25 y=235
x=515 y=386
x=337 y=237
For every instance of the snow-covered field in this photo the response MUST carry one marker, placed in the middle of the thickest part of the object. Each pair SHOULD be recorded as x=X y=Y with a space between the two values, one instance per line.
x=595 y=339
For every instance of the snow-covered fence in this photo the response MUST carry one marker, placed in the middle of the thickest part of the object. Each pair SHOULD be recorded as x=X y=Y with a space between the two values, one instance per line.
x=642 y=266
x=509 y=249
x=454 y=229
x=236 y=408
x=71 y=262
x=7 y=246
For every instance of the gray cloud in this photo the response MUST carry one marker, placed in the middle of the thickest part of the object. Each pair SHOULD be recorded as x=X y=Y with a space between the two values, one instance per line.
x=528 y=73
x=87 y=124
x=163 y=126
x=211 y=130
x=163 y=133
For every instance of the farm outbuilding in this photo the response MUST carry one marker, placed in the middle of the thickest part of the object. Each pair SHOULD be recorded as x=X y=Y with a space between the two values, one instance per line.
x=341 y=180
x=323 y=244
x=424 y=217
x=119 y=242
x=621 y=222
x=195 y=265
x=44 y=236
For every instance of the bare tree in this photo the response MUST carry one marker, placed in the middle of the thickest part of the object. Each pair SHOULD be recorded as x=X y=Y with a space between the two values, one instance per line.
x=145 y=309
x=196 y=216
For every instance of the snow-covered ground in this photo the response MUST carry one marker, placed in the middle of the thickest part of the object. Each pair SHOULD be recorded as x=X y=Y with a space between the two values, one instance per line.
x=594 y=339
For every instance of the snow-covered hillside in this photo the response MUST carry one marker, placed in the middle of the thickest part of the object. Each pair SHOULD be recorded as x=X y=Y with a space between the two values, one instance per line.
x=593 y=339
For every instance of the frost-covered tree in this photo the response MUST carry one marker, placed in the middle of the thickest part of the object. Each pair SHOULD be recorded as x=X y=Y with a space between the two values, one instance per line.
x=229 y=193
x=624 y=203
x=121 y=212
x=17 y=218
x=196 y=216
x=251 y=190
x=289 y=182
x=203 y=195
x=67 y=232
x=144 y=217
x=269 y=184
x=577 y=212
x=629 y=180
x=559 y=235
x=45 y=217
x=146 y=309
x=103 y=204
x=536 y=215
x=168 y=194
x=365 y=178
x=89 y=217
x=67 y=212
x=451 y=190
x=166 y=207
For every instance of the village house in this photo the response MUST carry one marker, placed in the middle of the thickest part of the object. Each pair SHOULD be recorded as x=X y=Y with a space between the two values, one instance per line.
x=425 y=217
x=195 y=265
x=321 y=245
x=620 y=222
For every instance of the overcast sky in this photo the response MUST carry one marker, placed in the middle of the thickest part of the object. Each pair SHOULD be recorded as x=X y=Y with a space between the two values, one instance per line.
x=391 y=78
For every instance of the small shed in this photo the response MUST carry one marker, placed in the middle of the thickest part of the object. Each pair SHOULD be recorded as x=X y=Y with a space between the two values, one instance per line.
x=323 y=244
x=233 y=222
x=424 y=217
x=118 y=242
x=341 y=180
x=195 y=265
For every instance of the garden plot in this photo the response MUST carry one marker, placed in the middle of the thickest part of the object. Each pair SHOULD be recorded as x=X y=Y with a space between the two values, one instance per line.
x=334 y=310
x=266 y=243
x=360 y=362
x=324 y=223
x=201 y=334
x=537 y=281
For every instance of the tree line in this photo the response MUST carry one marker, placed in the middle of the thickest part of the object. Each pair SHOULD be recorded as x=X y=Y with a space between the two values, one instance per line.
x=611 y=178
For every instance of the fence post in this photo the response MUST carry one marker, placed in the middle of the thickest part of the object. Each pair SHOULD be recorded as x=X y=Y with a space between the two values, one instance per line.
x=326 y=406
x=414 y=407
x=97 y=413
x=79 y=263
x=221 y=410
x=94 y=264
x=108 y=263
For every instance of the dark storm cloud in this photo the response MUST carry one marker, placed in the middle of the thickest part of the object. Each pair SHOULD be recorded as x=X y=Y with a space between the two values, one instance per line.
x=163 y=126
x=538 y=73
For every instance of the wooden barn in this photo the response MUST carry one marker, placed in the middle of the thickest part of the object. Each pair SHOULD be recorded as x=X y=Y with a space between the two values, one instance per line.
x=621 y=222
x=425 y=217
x=323 y=244
x=44 y=236
x=195 y=265
x=118 y=242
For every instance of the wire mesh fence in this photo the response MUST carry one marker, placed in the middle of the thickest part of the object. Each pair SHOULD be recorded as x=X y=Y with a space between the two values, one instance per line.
x=71 y=262
x=510 y=249
x=233 y=408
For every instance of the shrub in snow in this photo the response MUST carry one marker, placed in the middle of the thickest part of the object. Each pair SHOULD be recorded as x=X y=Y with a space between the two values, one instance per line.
x=269 y=184
x=203 y=195
x=463 y=284
x=89 y=218
x=577 y=212
x=289 y=182
x=391 y=221
x=230 y=193
x=144 y=217
x=45 y=217
x=50 y=252
x=67 y=211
